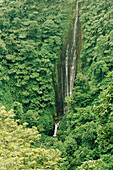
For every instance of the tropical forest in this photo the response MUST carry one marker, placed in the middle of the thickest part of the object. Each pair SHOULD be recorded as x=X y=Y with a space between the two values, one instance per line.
x=56 y=84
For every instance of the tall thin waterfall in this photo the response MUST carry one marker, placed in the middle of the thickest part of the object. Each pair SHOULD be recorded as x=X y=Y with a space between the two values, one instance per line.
x=68 y=68
x=70 y=60
x=73 y=66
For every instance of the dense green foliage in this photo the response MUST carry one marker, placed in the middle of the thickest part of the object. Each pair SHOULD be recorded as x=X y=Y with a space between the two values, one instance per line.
x=17 y=146
x=31 y=36
x=87 y=130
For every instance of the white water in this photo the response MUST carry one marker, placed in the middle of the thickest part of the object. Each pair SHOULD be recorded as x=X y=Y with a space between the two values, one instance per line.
x=70 y=68
x=67 y=74
x=56 y=126
x=70 y=62
x=73 y=66
x=70 y=75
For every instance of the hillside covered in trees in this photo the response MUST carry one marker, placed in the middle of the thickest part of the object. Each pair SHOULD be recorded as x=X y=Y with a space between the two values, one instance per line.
x=33 y=39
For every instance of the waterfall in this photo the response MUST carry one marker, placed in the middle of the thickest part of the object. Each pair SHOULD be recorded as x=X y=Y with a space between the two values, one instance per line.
x=56 y=126
x=73 y=66
x=68 y=68
x=70 y=60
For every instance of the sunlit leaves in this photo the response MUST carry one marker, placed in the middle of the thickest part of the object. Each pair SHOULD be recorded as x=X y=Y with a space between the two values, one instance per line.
x=16 y=146
x=92 y=164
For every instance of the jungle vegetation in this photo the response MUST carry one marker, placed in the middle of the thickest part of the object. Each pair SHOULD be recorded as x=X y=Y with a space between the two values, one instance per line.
x=32 y=36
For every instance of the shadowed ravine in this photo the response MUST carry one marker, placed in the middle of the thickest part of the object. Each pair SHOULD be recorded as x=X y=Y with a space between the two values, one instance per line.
x=68 y=68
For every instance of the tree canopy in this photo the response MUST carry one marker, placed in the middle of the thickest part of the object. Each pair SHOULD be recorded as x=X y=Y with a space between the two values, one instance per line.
x=33 y=39
x=17 y=149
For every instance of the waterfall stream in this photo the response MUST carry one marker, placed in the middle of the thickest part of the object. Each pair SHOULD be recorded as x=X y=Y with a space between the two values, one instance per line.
x=70 y=61
x=73 y=66
x=68 y=68
x=56 y=126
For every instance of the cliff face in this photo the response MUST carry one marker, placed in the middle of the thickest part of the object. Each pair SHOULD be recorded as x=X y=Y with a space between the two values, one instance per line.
x=84 y=129
x=65 y=71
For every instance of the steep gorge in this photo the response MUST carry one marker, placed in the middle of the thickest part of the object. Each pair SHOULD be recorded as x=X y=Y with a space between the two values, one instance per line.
x=33 y=58
x=66 y=71
x=48 y=53
x=66 y=68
